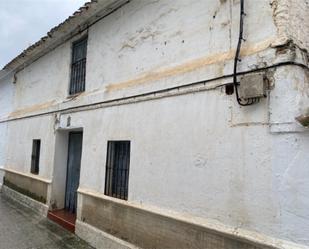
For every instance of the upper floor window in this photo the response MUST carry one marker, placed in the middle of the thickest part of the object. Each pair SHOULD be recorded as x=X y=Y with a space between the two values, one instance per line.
x=78 y=67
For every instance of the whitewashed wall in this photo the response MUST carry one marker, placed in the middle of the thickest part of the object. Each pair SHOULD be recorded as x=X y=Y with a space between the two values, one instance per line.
x=21 y=133
x=197 y=154
x=194 y=154
x=48 y=77
x=6 y=101
x=148 y=45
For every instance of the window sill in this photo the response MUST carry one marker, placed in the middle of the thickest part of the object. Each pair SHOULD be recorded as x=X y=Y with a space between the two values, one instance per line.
x=73 y=96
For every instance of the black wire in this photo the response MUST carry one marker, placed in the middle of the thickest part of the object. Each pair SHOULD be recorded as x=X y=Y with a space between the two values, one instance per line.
x=249 y=101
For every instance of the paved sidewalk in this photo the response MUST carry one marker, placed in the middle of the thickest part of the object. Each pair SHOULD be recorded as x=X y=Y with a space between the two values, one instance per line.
x=21 y=228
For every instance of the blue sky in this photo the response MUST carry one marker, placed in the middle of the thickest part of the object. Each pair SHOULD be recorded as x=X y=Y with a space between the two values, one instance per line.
x=23 y=22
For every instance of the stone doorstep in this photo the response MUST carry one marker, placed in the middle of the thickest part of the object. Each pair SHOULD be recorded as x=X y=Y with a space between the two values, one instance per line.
x=63 y=218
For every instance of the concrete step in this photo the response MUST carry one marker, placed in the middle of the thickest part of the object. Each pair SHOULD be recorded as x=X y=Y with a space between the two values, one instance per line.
x=63 y=218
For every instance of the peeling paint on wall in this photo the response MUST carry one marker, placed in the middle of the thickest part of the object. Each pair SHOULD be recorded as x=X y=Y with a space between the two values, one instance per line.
x=189 y=66
x=289 y=16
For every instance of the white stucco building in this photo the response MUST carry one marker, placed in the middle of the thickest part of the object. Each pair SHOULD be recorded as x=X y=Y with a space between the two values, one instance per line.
x=133 y=103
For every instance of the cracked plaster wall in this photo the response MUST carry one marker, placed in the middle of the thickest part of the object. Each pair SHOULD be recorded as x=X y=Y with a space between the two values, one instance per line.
x=292 y=21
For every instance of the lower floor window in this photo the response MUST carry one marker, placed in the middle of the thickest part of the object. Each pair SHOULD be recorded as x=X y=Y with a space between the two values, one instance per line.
x=117 y=169
x=35 y=157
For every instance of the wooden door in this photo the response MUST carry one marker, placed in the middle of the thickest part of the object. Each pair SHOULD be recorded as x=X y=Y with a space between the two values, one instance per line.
x=73 y=170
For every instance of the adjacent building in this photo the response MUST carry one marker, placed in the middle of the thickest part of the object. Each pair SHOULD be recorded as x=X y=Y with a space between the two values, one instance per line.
x=165 y=124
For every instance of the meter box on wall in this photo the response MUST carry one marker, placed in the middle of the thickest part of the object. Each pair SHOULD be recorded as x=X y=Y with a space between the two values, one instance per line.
x=252 y=86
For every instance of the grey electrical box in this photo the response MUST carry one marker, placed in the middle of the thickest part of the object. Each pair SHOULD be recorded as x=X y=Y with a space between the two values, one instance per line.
x=252 y=86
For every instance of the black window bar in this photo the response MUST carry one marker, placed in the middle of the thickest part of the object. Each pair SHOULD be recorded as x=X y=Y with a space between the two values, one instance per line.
x=35 y=157
x=78 y=67
x=117 y=169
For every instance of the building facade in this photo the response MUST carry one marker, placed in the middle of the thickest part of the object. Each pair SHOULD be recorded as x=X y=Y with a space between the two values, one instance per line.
x=126 y=115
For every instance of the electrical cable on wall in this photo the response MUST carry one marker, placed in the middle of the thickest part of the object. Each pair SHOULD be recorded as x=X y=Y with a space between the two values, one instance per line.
x=249 y=101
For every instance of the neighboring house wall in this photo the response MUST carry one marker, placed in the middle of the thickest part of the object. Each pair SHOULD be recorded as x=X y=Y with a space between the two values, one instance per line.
x=195 y=153
x=6 y=97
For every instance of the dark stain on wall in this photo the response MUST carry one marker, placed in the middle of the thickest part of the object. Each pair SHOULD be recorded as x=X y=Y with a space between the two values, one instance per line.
x=27 y=186
x=148 y=230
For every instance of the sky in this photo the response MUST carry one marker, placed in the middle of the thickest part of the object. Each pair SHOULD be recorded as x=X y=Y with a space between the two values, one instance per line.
x=24 y=22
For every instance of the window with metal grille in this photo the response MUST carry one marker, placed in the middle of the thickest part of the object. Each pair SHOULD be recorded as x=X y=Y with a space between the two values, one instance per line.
x=78 y=67
x=117 y=169
x=35 y=157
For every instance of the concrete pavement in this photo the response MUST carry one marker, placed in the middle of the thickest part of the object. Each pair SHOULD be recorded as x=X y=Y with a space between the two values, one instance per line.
x=21 y=228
